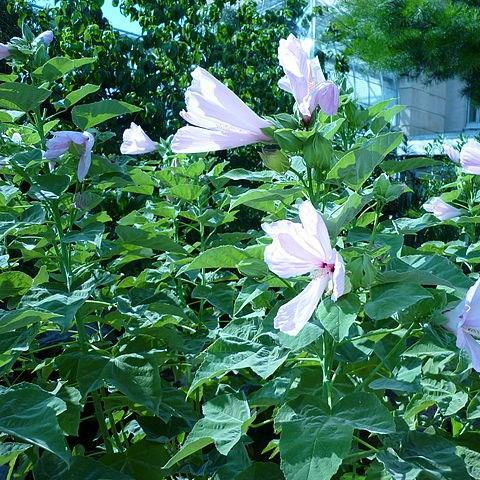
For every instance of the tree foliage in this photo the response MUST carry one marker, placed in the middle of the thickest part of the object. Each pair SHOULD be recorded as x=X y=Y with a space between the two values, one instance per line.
x=436 y=39
x=237 y=43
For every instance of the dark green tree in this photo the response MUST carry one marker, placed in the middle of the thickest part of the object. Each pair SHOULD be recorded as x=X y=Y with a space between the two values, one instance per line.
x=237 y=43
x=437 y=39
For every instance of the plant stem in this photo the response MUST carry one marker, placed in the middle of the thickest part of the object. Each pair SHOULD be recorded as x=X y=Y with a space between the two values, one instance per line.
x=390 y=354
x=97 y=403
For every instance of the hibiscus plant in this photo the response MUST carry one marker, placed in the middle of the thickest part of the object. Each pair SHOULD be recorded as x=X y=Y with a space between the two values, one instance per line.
x=145 y=334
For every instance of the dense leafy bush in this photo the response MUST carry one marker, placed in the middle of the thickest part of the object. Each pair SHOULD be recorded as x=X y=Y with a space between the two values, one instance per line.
x=143 y=337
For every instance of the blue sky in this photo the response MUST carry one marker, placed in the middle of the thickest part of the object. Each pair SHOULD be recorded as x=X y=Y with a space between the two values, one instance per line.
x=112 y=13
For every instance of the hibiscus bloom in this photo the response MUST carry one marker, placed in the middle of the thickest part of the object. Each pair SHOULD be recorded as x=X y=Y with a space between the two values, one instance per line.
x=470 y=157
x=63 y=141
x=298 y=249
x=464 y=322
x=304 y=79
x=46 y=38
x=440 y=209
x=221 y=120
x=136 y=141
x=452 y=153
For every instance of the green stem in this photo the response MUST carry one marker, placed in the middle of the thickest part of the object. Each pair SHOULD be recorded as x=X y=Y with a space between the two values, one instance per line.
x=97 y=403
x=311 y=192
x=390 y=354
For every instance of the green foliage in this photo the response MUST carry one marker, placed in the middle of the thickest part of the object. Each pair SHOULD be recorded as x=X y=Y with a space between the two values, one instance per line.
x=137 y=333
x=435 y=39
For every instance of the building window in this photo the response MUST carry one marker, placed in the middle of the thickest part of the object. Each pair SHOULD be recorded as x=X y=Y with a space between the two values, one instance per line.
x=473 y=115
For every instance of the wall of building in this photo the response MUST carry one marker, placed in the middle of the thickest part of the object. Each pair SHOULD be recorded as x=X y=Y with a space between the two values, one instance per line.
x=432 y=108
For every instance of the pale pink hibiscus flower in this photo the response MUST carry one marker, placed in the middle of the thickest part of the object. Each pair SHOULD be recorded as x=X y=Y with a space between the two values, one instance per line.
x=136 y=141
x=298 y=249
x=441 y=209
x=220 y=119
x=46 y=38
x=452 y=153
x=81 y=142
x=304 y=79
x=464 y=322
x=470 y=157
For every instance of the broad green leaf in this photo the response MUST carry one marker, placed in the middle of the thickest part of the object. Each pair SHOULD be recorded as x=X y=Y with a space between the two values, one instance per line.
x=364 y=411
x=396 y=166
x=233 y=353
x=143 y=460
x=187 y=191
x=92 y=114
x=337 y=317
x=15 y=319
x=356 y=166
x=312 y=443
x=392 y=298
x=22 y=96
x=13 y=284
x=80 y=468
x=261 y=471
x=225 y=256
x=148 y=237
x=30 y=413
x=74 y=97
x=9 y=451
x=226 y=419
x=340 y=216
x=424 y=456
x=220 y=296
x=264 y=199
x=58 y=67
x=10 y=116
x=426 y=270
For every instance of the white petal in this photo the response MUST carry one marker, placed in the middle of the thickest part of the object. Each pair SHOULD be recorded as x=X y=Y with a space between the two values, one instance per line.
x=294 y=315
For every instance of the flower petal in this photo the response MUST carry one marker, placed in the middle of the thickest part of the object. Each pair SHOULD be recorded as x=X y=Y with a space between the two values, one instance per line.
x=136 y=141
x=314 y=225
x=338 y=278
x=471 y=317
x=211 y=104
x=86 y=157
x=195 y=140
x=467 y=343
x=470 y=157
x=293 y=315
x=441 y=209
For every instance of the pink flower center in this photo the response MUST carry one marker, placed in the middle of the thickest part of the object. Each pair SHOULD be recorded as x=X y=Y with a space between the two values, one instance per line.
x=329 y=267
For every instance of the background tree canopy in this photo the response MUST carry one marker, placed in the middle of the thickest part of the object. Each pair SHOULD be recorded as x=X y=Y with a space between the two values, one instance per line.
x=236 y=43
x=438 y=39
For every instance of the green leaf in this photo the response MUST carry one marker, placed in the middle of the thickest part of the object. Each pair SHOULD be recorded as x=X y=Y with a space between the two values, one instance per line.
x=30 y=413
x=9 y=451
x=81 y=468
x=149 y=238
x=312 y=442
x=10 y=321
x=186 y=191
x=58 y=67
x=234 y=353
x=143 y=460
x=337 y=317
x=356 y=166
x=395 y=166
x=13 y=284
x=74 y=97
x=364 y=411
x=264 y=198
x=225 y=256
x=92 y=114
x=226 y=419
x=22 y=96
x=392 y=298
x=424 y=456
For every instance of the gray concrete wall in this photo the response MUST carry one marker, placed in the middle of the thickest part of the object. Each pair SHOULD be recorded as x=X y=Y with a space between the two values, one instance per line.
x=432 y=108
